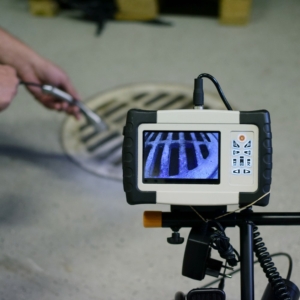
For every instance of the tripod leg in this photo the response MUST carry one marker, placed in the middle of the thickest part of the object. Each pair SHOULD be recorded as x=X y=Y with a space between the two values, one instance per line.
x=246 y=252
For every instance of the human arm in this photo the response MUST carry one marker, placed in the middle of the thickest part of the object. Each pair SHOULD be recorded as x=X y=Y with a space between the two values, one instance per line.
x=31 y=67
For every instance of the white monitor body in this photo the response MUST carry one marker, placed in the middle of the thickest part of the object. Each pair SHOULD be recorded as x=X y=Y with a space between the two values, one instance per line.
x=230 y=157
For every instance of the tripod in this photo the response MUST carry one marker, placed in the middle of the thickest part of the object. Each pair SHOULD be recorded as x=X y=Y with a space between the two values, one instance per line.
x=184 y=217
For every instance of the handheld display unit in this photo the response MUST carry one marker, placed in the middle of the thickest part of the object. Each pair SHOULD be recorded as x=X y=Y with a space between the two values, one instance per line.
x=197 y=157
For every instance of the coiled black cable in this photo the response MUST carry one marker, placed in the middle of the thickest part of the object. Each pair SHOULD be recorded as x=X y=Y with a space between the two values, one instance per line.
x=268 y=266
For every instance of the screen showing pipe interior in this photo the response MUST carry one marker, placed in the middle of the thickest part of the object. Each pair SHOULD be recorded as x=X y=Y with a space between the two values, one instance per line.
x=181 y=157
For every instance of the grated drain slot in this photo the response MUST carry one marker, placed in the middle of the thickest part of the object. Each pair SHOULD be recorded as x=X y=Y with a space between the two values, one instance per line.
x=188 y=106
x=139 y=96
x=174 y=160
x=155 y=99
x=120 y=119
x=164 y=136
x=105 y=105
x=187 y=136
x=176 y=136
x=204 y=151
x=84 y=126
x=121 y=114
x=169 y=103
x=173 y=101
x=153 y=136
x=146 y=153
x=102 y=141
x=147 y=135
x=191 y=156
x=113 y=110
x=90 y=136
x=157 y=160
x=199 y=137
x=118 y=161
x=109 y=152
x=207 y=137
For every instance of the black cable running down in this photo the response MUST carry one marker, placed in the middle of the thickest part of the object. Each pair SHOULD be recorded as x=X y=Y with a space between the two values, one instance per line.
x=220 y=242
x=198 y=98
x=268 y=266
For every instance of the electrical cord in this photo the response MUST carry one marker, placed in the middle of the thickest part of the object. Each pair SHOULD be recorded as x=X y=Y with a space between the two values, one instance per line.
x=198 y=96
x=256 y=262
x=268 y=266
x=221 y=243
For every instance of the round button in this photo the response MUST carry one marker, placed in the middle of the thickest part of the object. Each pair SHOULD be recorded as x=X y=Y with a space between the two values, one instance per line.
x=127 y=157
x=127 y=172
x=242 y=137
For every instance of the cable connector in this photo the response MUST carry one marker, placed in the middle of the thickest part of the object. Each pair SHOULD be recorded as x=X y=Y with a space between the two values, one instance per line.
x=198 y=96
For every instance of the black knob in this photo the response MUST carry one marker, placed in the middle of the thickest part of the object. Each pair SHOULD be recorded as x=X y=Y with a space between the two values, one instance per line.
x=175 y=239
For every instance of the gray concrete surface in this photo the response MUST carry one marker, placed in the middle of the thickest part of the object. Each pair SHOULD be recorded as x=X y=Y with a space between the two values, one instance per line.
x=66 y=234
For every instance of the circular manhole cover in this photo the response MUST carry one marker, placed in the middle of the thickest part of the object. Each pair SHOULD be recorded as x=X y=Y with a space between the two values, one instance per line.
x=101 y=153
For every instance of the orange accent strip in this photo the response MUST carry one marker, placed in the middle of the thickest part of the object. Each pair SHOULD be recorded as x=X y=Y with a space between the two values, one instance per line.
x=152 y=219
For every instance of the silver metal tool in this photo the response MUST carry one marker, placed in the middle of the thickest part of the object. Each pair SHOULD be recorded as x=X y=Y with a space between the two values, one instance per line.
x=91 y=117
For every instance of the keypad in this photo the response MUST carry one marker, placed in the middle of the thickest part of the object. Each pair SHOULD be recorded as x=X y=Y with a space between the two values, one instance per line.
x=242 y=155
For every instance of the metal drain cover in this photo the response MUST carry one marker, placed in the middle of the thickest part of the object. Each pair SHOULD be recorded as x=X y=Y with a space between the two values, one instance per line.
x=163 y=151
x=101 y=153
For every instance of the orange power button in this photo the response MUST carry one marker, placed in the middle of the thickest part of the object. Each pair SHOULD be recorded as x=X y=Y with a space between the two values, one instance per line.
x=242 y=137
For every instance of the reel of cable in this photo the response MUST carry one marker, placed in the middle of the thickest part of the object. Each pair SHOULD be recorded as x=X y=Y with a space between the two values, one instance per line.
x=268 y=266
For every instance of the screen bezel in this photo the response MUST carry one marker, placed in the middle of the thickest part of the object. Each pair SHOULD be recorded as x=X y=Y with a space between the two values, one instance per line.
x=228 y=183
x=214 y=181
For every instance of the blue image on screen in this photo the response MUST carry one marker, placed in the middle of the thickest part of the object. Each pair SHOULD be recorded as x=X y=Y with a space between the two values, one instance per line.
x=181 y=155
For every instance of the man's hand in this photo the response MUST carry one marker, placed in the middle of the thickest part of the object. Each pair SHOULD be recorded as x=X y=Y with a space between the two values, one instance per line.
x=42 y=72
x=31 y=67
x=8 y=85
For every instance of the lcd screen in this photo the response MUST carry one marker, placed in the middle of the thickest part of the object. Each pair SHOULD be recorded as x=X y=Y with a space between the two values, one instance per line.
x=181 y=157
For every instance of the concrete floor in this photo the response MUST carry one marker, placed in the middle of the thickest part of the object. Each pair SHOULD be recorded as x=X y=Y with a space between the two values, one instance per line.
x=66 y=234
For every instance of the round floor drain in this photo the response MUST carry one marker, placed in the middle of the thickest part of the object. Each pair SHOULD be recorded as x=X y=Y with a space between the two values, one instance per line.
x=101 y=153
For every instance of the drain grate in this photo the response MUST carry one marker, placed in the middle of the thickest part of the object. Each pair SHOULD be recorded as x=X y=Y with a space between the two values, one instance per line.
x=163 y=151
x=101 y=153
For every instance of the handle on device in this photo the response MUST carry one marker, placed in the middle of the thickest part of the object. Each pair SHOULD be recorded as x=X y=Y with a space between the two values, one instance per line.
x=260 y=118
x=135 y=117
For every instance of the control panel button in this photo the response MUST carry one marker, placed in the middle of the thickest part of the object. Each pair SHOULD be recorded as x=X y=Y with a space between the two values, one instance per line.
x=236 y=171
x=242 y=161
x=248 y=152
x=247 y=171
x=248 y=144
x=236 y=152
x=234 y=162
x=235 y=144
x=242 y=138
x=248 y=162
